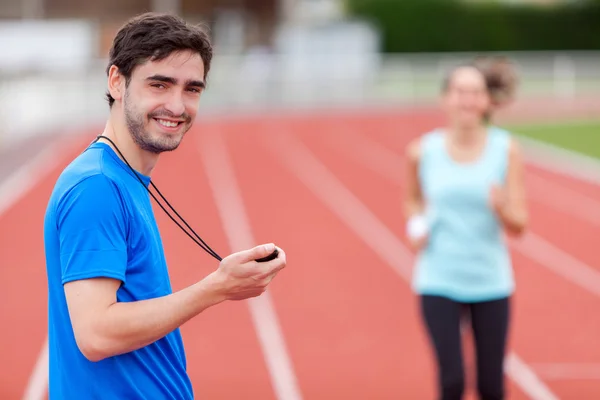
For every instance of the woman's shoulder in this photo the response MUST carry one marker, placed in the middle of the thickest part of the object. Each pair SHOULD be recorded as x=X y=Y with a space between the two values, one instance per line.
x=507 y=139
x=501 y=133
x=420 y=144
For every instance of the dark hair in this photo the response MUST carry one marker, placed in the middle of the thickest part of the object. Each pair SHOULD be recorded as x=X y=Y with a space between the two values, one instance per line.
x=500 y=78
x=154 y=36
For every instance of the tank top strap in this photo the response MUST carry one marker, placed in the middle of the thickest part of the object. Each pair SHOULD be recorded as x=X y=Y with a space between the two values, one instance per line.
x=431 y=146
x=499 y=149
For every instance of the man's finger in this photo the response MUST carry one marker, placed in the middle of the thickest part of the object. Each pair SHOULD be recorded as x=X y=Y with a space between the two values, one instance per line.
x=275 y=265
x=254 y=253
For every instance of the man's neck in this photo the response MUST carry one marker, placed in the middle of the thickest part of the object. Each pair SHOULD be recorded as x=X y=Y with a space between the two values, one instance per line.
x=140 y=160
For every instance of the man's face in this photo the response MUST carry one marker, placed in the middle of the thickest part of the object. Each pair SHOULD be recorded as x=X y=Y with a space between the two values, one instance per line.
x=161 y=101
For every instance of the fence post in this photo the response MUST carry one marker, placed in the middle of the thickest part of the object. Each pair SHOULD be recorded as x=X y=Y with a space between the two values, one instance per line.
x=564 y=77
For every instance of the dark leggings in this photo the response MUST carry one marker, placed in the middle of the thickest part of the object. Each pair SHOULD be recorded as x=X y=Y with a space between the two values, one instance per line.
x=489 y=321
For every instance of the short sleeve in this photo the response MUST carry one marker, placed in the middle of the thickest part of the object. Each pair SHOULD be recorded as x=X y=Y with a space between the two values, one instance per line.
x=92 y=229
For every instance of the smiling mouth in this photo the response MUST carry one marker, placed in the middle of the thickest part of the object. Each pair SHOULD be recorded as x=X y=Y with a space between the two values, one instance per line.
x=168 y=123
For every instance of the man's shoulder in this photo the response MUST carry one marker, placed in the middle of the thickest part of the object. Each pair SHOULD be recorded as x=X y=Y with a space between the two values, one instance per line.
x=89 y=172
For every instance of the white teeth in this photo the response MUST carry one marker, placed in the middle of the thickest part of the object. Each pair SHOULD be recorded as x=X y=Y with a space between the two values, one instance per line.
x=167 y=123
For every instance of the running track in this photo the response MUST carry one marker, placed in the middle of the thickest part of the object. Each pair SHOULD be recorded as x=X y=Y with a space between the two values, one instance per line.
x=340 y=322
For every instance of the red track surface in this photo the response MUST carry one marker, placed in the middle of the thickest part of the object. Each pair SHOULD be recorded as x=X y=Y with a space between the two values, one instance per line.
x=351 y=325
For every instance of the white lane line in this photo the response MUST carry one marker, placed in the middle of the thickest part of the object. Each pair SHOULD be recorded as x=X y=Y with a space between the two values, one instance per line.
x=559 y=261
x=231 y=208
x=380 y=160
x=351 y=210
x=563 y=199
x=525 y=377
x=26 y=177
x=37 y=387
x=13 y=189
x=559 y=160
x=368 y=153
x=389 y=164
x=568 y=371
x=360 y=219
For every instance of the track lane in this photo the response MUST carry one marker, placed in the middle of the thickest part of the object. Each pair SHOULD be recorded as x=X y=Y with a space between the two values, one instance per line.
x=575 y=305
x=223 y=352
x=22 y=268
x=383 y=197
x=581 y=186
x=227 y=347
x=343 y=316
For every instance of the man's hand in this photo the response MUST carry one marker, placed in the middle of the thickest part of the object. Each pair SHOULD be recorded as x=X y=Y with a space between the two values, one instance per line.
x=104 y=327
x=240 y=277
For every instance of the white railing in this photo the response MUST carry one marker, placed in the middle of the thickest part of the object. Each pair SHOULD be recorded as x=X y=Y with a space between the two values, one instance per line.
x=35 y=103
x=395 y=78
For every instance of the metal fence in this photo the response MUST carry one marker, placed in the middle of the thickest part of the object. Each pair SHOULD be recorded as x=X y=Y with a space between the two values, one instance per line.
x=33 y=103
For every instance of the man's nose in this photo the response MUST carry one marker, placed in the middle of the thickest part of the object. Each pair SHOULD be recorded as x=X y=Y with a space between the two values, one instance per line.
x=175 y=104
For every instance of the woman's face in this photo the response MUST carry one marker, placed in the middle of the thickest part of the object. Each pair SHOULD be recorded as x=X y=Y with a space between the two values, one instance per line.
x=466 y=98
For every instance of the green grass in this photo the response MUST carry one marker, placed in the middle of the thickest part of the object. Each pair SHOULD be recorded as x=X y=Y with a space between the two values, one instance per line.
x=579 y=136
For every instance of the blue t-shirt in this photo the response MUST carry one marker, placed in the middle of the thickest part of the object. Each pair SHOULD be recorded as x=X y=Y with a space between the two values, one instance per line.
x=100 y=223
x=466 y=257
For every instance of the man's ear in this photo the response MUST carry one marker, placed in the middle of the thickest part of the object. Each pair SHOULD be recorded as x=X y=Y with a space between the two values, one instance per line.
x=116 y=83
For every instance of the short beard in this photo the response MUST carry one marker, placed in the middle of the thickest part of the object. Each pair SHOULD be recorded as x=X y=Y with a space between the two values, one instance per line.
x=135 y=124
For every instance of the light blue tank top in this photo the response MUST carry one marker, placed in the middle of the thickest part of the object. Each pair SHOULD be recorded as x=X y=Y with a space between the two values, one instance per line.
x=466 y=258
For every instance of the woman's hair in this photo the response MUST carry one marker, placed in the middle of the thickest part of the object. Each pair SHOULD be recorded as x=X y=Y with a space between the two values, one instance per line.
x=500 y=77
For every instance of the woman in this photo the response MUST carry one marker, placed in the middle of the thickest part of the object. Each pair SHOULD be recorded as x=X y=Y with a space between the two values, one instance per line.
x=465 y=189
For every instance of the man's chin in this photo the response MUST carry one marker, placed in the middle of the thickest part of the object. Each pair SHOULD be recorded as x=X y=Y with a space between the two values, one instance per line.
x=165 y=146
x=161 y=144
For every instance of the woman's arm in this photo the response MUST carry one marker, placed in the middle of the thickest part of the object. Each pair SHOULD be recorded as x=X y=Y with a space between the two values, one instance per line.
x=413 y=199
x=414 y=204
x=510 y=202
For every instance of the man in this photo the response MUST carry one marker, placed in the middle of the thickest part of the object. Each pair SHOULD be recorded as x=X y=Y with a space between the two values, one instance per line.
x=113 y=318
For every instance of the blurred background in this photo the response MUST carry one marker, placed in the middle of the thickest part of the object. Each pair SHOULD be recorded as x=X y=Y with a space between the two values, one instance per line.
x=337 y=60
x=296 y=53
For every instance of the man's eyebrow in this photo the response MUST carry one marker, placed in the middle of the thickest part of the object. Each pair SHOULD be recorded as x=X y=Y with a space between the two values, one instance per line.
x=173 y=81
x=162 y=78
x=195 y=83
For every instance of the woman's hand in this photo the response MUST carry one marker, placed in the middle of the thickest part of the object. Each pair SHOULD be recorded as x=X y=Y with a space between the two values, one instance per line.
x=417 y=232
x=508 y=201
x=499 y=200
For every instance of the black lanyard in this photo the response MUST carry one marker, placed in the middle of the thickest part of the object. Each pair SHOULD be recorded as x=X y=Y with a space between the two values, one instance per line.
x=198 y=240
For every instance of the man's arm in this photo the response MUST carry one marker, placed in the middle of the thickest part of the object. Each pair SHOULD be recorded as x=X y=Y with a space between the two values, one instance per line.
x=93 y=227
x=104 y=327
